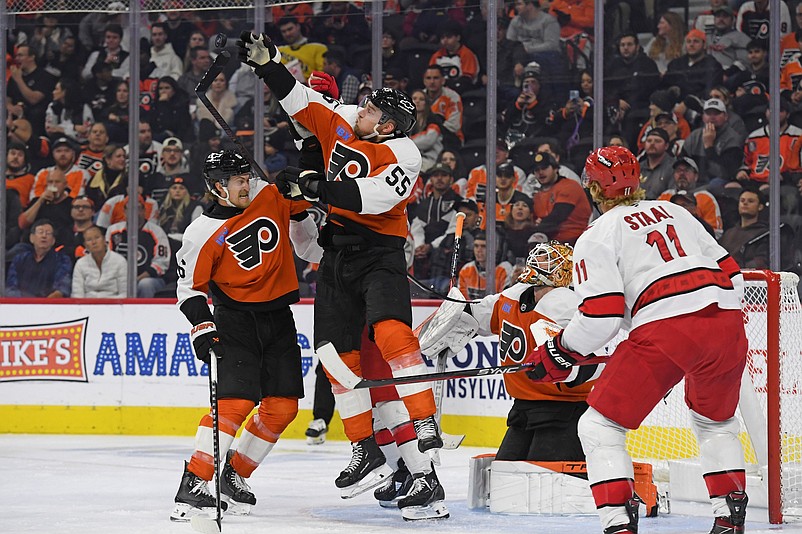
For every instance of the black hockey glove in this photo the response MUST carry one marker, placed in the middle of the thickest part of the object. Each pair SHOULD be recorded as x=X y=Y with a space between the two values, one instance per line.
x=295 y=184
x=258 y=52
x=206 y=339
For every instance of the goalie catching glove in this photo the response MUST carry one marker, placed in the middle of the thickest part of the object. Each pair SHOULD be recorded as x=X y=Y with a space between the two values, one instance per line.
x=450 y=327
x=205 y=339
x=295 y=184
x=553 y=362
x=258 y=52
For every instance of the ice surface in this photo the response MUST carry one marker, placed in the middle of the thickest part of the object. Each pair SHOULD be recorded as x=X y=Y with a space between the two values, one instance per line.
x=124 y=484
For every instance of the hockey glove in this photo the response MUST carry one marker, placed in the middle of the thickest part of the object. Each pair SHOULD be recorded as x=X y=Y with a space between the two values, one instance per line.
x=295 y=183
x=258 y=52
x=206 y=339
x=553 y=362
x=324 y=83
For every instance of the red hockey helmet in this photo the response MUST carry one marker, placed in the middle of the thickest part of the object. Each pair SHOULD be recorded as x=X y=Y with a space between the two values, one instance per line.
x=615 y=169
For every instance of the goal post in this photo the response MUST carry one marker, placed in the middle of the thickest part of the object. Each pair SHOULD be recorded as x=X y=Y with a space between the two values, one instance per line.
x=770 y=410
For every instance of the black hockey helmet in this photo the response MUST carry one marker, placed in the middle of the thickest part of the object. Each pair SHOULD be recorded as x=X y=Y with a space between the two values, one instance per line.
x=222 y=165
x=395 y=105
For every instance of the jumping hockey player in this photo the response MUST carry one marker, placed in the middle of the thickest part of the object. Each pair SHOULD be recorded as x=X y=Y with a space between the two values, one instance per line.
x=651 y=267
x=414 y=486
x=239 y=250
x=371 y=166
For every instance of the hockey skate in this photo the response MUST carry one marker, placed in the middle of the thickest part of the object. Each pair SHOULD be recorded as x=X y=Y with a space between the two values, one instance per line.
x=367 y=469
x=734 y=524
x=236 y=492
x=428 y=434
x=316 y=433
x=193 y=498
x=425 y=500
x=632 y=511
x=398 y=486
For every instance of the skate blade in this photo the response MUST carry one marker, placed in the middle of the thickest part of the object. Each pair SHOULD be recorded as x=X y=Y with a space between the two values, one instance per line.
x=236 y=508
x=183 y=512
x=390 y=504
x=436 y=510
x=317 y=440
x=377 y=477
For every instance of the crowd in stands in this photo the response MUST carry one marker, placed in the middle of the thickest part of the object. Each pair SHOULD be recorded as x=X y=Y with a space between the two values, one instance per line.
x=691 y=100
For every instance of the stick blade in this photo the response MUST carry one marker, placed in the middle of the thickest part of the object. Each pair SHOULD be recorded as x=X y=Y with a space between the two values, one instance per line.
x=451 y=441
x=331 y=360
x=205 y=525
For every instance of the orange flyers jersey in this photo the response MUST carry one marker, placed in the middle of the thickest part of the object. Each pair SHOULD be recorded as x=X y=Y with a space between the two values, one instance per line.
x=510 y=315
x=76 y=181
x=569 y=192
x=477 y=182
x=248 y=257
x=385 y=172
x=113 y=211
x=756 y=152
x=706 y=207
x=449 y=106
x=462 y=63
x=791 y=74
x=472 y=282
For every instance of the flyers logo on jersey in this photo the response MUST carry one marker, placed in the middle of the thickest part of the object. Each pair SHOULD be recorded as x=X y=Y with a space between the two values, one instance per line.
x=345 y=162
x=249 y=243
x=513 y=342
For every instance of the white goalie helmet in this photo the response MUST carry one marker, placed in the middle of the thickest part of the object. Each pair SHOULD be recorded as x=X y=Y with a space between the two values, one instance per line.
x=549 y=264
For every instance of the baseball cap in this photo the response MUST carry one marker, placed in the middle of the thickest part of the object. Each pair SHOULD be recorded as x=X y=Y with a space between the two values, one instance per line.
x=506 y=169
x=665 y=117
x=468 y=204
x=659 y=132
x=715 y=104
x=62 y=141
x=173 y=142
x=178 y=180
x=696 y=34
x=544 y=159
x=725 y=9
x=685 y=160
x=441 y=167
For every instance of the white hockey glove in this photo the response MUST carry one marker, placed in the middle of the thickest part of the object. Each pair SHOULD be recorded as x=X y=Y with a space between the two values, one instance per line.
x=450 y=327
x=257 y=51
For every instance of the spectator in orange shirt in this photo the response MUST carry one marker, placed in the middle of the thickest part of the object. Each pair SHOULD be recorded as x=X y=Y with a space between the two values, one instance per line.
x=64 y=157
x=574 y=16
x=459 y=64
x=473 y=275
x=18 y=172
x=561 y=208
x=446 y=103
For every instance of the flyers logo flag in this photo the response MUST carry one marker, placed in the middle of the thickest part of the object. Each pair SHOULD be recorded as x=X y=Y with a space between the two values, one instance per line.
x=512 y=344
x=52 y=351
x=248 y=244
x=345 y=162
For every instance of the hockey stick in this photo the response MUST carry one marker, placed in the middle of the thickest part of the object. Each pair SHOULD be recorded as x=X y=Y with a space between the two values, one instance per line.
x=346 y=378
x=199 y=522
x=216 y=68
x=450 y=441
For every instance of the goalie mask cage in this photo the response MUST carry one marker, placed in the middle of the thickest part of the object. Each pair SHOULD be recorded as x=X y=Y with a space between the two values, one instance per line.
x=770 y=409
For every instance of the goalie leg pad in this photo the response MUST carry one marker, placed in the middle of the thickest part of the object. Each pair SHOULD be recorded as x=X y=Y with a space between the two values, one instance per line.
x=528 y=488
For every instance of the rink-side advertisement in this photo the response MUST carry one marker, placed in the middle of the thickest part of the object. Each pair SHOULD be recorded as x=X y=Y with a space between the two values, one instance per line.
x=131 y=362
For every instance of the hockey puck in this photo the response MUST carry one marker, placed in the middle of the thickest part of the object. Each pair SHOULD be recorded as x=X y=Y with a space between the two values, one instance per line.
x=220 y=41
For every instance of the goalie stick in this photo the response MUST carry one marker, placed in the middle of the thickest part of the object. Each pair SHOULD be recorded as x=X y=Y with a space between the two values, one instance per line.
x=216 y=68
x=202 y=523
x=450 y=441
x=340 y=371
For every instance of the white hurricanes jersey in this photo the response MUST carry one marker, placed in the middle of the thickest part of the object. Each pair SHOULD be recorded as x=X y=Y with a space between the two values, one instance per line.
x=643 y=263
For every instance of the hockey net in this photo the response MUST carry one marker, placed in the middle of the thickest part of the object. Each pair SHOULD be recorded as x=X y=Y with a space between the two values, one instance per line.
x=770 y=411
